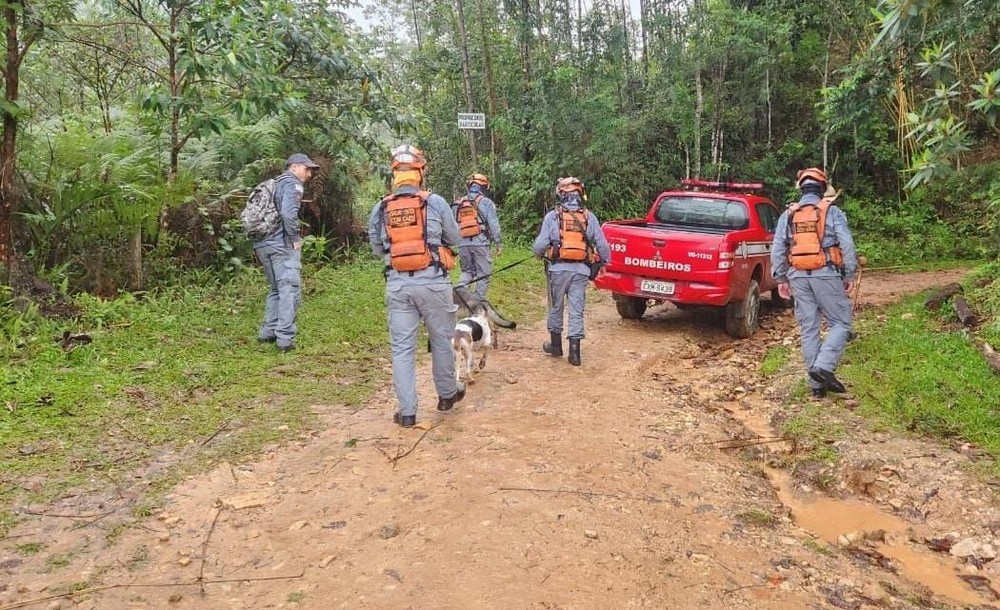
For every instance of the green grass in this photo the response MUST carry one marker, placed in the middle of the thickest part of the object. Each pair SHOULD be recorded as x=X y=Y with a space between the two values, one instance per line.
x=818 y=546
x=31 y=548
x=177 y=381
x=983 y=292
x=911 y=374
x=758 y=518
x=57 y=562
x=815 y=427
x=775 y=359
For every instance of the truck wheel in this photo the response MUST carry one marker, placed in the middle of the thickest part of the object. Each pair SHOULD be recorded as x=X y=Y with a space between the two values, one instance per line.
x=741 y=316
x=630 y=308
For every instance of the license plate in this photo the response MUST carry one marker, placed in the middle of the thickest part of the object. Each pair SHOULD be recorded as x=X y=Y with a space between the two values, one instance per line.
x=657 y=287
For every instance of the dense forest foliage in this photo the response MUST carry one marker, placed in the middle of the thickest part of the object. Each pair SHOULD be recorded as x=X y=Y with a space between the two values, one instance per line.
x=132 y=128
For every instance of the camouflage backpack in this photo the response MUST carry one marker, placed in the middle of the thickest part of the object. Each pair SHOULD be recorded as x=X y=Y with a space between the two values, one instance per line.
x=260 y=217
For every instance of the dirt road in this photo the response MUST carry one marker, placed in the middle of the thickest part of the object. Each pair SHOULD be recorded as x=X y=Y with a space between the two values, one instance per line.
x=611 y=485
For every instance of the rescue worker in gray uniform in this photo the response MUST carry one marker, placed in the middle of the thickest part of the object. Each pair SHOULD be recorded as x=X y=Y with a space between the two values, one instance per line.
x=477 y=219
x=814 y=260
x=574 y=247
x=280 y=253
x=413 y=231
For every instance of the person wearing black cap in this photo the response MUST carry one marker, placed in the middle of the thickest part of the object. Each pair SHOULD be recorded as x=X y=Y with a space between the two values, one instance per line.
x=281 y=256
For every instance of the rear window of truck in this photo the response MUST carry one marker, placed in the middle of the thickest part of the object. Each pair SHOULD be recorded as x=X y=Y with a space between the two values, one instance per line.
x=703 y=213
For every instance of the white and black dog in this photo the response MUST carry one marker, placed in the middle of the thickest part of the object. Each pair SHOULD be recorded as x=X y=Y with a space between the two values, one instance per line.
x=473 y=334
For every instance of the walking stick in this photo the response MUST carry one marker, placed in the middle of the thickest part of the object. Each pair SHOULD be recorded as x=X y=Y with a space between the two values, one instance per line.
x=862 y=261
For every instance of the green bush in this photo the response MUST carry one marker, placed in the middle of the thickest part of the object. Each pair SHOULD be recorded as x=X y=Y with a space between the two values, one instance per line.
x=897 y=232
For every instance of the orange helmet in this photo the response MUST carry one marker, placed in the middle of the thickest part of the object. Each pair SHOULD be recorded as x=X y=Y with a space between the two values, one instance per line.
x=812 y=173
x=569 y=185
x=406 y=157
x=479 y=179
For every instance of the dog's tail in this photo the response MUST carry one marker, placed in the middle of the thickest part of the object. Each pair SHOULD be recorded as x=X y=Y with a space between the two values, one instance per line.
x=495 y=316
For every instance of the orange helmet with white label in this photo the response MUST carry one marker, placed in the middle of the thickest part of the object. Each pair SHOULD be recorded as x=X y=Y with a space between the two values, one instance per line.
x=406 y=157
x=479 y=179
x=568 y=185
x=811 y=173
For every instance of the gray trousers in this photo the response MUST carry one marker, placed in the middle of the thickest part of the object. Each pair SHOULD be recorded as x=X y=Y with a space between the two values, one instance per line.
x=475 y=262
x=407 y=305
x=816 y=298
x=563 y=284
x=283 y=270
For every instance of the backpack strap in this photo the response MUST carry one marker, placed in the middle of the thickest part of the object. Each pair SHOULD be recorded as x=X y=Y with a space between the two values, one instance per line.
x=823 y=206
x=278 y=180
x=479 y=217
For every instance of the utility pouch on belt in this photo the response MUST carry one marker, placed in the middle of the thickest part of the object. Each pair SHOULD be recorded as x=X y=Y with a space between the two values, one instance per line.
x=595 y=269
x=446 y=258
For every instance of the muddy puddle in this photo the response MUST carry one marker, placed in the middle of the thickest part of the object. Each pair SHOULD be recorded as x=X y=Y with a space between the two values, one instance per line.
x=831 y=519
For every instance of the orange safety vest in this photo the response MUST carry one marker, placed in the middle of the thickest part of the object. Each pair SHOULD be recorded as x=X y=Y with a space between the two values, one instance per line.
x=807 y=223
x=405 y=218
x=573 y=244
x=467 y=216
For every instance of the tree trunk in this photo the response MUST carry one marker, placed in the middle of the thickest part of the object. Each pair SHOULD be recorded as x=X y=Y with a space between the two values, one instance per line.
x=699 y=108
x=524 y=46
x=627 y=102
x=466 y=77
x=992 y=358
x=579 y=31
x=8 y=142
x=175 y=112
x=135 y=254
x=964 y=312
x=935 y=301
x=175 y=92
x=643 y=24
x=826 y=79
x=487 y=62
x=416 y=26
x=767 y=90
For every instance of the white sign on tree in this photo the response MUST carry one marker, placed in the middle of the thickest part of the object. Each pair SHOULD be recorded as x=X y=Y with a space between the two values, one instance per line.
x=471 y=120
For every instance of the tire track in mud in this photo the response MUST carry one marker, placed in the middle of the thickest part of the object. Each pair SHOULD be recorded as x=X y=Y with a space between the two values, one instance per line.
x=550 y=486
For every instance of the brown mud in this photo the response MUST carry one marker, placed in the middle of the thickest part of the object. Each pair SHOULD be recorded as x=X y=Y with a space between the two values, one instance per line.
x=650 y=477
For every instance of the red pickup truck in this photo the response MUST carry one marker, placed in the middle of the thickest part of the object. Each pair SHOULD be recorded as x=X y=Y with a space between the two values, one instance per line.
x=706 y=244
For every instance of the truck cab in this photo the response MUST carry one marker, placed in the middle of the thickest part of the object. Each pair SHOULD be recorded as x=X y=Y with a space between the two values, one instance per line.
x=705 y=244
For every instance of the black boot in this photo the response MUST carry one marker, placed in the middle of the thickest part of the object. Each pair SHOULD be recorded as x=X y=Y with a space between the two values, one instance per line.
x=828 y=379
x=574 y=352
x=445 y=404
x=553 y=346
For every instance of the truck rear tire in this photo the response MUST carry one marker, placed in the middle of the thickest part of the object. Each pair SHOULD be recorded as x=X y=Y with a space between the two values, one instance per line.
x=630 y=308
x=742 y=316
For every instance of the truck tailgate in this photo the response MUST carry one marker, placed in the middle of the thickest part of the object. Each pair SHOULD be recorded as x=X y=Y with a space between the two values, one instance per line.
x=660 y=252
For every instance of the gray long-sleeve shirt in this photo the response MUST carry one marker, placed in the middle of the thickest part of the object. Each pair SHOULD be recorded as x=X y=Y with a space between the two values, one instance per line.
x=288 y=191
x=442 y=230
x=836 y=233
x=489 y=224
x=548 y=235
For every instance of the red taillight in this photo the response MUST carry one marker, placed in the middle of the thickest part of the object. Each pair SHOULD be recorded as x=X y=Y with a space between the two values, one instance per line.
x=727 y=256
